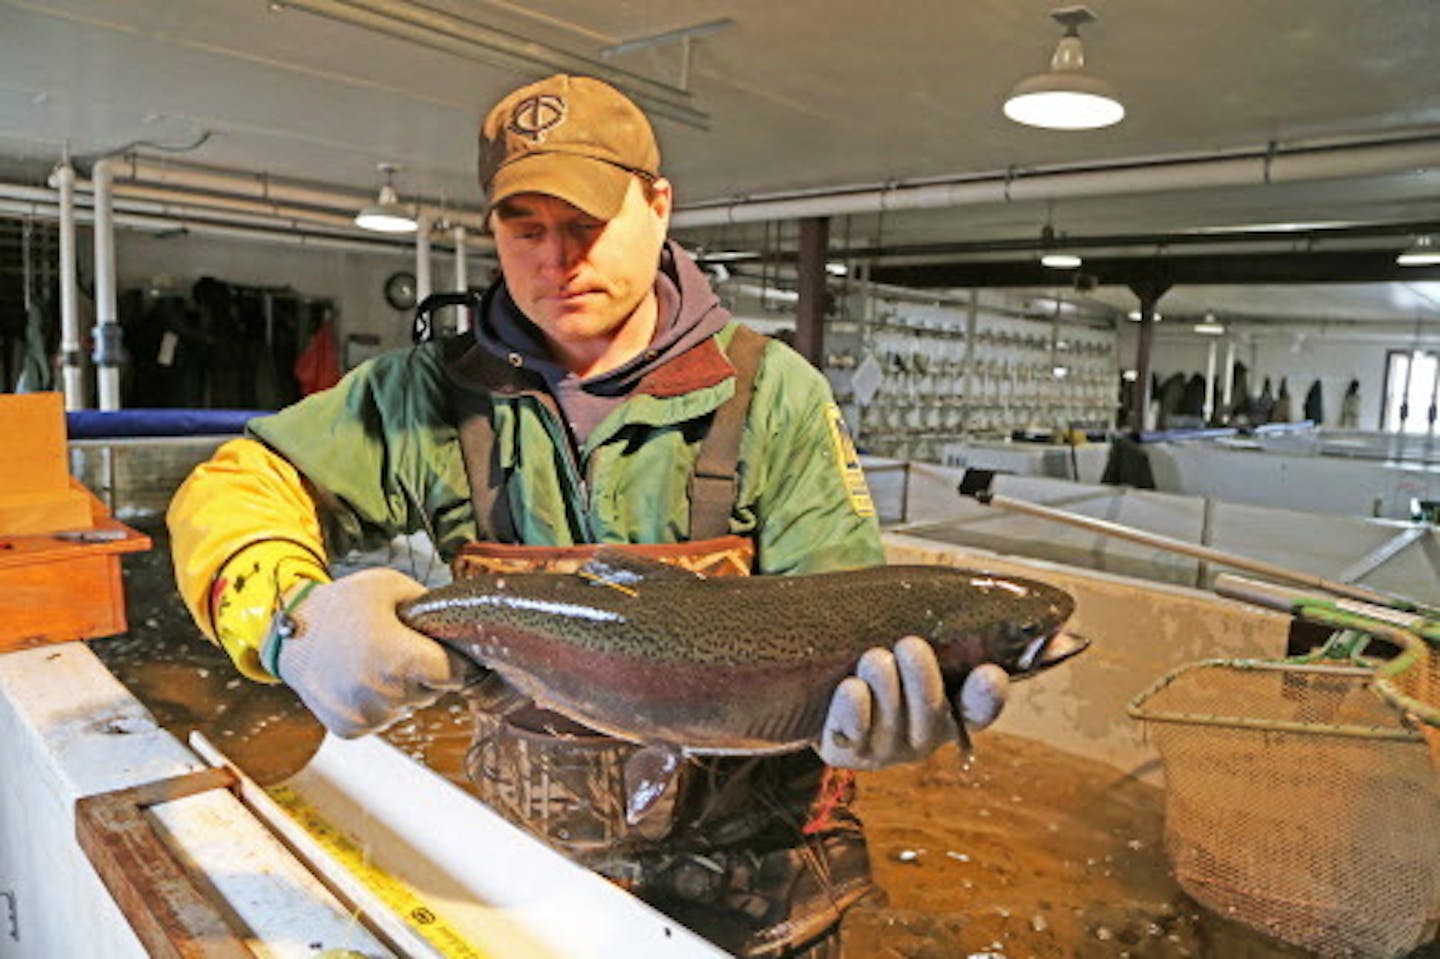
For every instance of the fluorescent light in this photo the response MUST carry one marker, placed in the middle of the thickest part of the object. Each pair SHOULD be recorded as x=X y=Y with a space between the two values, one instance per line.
x=1060 y=372
x=836 y=269
x=1421 y=253
x=1061 y=261
x=1066 y=98
x=1212 y=329
x=1134 y=316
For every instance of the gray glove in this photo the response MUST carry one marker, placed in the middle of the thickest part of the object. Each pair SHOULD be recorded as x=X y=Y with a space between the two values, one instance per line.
x=893 y=710
x=351 y=660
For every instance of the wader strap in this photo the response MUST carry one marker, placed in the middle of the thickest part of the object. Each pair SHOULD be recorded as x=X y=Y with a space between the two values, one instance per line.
x=482 y=467
x=715 y=482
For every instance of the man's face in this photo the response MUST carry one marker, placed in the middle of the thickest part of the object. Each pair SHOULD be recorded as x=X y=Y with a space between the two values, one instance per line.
x=578 y=278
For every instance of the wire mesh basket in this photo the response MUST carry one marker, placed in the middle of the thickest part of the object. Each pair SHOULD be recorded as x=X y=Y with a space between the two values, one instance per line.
x=1302 y=798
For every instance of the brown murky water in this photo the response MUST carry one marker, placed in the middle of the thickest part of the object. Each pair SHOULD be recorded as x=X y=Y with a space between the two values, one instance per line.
x=1029 y=853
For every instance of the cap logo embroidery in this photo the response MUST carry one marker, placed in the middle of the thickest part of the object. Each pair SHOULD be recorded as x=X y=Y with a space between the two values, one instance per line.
x=534 y=117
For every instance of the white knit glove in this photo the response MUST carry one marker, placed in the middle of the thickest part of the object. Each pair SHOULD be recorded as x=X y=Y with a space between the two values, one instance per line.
x=351 y=660
x=893 y=710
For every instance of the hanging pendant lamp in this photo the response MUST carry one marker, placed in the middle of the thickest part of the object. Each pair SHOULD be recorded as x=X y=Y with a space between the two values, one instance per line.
x=1066 y=97
x=386 y=215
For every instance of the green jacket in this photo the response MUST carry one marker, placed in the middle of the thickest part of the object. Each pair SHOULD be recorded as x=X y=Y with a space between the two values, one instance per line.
x=381 y=452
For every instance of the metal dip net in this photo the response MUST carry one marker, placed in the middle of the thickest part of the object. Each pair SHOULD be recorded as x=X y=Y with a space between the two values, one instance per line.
x=1302 y=798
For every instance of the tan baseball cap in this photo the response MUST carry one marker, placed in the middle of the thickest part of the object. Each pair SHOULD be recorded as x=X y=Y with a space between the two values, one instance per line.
x=575 y=138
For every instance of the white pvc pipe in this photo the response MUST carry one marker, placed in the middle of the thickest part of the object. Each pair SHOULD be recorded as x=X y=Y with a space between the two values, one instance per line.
x=423 y=285
x=107 y=323
x=71 y=372
x=1294 y=164
x=1227 y=382
x=462 y=278
x=1210 y=383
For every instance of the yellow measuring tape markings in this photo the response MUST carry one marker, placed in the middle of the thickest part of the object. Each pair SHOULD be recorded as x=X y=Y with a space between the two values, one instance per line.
x=404 y=901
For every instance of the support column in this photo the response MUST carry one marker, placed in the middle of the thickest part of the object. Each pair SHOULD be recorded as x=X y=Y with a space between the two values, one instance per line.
x=1149 y=294
x=810 y=310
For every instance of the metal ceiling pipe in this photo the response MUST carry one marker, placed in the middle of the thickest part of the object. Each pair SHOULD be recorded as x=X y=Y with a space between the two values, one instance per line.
x=50 y=209
x=196 y=219
x=107 y=321
x=132 y=167
x=70 y=371
x=1253 y=168
x=163 y=202
x=266 y=189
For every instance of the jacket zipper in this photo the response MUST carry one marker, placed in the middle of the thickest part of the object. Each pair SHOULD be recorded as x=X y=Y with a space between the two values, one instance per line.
x=560 y=436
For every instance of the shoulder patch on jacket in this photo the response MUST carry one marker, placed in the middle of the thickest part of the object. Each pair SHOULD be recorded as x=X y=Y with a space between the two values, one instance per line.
x=848 y=462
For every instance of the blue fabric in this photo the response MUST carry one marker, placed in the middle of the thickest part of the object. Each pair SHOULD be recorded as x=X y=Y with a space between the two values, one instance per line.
x=94 y=424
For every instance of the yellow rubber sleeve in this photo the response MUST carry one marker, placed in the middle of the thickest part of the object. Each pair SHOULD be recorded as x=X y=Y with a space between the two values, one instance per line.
x=243 y=530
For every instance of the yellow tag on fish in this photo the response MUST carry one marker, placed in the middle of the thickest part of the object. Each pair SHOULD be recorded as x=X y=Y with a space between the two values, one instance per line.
x=849 y=463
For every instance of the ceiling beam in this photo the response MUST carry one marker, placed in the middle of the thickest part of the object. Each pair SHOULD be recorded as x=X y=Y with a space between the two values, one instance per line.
x=1210 y=269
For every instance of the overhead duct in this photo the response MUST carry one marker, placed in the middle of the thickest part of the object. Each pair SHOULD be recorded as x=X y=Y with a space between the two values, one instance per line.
x=1257 y=167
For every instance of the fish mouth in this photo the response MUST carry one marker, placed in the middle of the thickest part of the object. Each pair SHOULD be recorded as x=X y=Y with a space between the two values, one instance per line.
x=1051 y=650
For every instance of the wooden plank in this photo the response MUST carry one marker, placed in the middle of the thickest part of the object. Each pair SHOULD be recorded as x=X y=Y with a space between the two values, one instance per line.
x=171 y=916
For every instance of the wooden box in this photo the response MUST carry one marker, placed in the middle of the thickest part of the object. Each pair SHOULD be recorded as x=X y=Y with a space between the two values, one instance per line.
x=59 y=547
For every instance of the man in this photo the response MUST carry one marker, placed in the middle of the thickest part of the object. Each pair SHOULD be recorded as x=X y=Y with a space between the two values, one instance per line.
x=605 y=397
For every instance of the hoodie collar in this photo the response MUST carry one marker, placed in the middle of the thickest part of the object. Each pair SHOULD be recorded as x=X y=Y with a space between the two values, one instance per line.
x=681 y=357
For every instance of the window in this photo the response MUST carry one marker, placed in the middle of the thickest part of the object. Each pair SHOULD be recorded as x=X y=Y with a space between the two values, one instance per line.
x=1410 y=392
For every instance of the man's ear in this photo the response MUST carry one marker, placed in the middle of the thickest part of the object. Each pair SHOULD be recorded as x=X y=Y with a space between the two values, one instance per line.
x=662 y=200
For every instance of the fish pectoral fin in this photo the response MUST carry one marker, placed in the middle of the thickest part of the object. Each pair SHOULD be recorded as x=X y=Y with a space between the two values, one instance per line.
x=492 y=694
x=614 y=567
x=650 y=775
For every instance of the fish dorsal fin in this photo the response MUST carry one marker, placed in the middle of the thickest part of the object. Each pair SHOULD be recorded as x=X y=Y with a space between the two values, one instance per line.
x=615 y=567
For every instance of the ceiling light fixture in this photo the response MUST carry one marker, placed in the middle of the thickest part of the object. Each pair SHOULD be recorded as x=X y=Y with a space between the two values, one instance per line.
x=1421 y=253
x=386 y=215
x=1052 y=258
x=1066 y=97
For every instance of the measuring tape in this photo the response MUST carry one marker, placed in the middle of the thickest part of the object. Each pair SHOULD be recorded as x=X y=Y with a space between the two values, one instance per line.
x=404 y=901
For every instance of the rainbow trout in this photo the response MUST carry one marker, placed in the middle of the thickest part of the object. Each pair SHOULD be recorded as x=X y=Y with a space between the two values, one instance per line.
x=653 y=654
